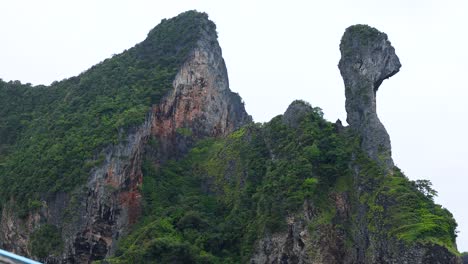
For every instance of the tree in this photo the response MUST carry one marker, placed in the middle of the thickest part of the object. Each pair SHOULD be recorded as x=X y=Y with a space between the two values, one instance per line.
x=425 y=187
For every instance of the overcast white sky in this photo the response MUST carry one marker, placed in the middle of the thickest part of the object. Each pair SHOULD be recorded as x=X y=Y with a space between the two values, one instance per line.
x=278 y=51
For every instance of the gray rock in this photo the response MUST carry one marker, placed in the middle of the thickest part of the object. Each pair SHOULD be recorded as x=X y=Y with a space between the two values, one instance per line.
x=338 y=126
x=289 y=246
x=367 y=58
x=295 y=112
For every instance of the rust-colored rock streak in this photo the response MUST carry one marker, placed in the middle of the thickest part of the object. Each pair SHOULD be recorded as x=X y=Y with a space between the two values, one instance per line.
x=200 y=101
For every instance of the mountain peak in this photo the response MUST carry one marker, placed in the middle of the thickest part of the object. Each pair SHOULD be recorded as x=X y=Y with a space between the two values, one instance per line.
x=172 y=89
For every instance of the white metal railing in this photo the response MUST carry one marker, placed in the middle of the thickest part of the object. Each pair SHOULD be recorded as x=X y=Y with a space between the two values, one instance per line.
x=10 y=258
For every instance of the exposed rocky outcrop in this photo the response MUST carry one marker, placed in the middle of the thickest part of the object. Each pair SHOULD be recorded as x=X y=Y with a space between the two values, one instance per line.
x=14 y=237
x=201 y=104
x=112 y=201
x=290 y=246
x=304 y=243
x=296 y=112
x=367 y=59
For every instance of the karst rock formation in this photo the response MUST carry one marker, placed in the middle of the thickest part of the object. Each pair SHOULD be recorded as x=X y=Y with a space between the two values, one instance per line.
x=367 y=59
x=149 y=157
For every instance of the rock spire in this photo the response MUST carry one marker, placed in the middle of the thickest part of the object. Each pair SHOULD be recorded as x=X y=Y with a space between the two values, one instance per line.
x=367 y=58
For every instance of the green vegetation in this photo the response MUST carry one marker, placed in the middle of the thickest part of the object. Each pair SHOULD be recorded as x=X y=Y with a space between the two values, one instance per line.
x=211 y=206
x=186 y=132
x=364 y=33
x=52 y=136
x=357 y=37
x=414 y=217
x=405 y=209
x=46 y=241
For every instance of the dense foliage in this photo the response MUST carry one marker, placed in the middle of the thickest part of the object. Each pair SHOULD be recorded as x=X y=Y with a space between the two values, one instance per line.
x=46 y=241
x=212 y=206
x=400 y=208
x=51 y=136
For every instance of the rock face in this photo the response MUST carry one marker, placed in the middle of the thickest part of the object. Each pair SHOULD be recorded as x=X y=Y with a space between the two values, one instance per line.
x=295 y=113
x=367 y=59
x=112 y=203
x=199 y=105
x=299 y=246
x=14 y=237
x=289 y=246
x=465 y=259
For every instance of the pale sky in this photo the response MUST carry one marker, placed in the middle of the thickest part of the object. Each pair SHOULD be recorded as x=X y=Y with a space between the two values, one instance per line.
x=278 y=51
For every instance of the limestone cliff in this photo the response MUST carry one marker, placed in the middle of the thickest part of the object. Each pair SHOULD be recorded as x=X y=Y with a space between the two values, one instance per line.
x=367 y=59
x=200 y=104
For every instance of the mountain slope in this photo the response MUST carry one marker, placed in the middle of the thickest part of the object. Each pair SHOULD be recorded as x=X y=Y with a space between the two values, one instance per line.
x=59 y=128
x=288 y=191
x=72 y=166
x=148 y=157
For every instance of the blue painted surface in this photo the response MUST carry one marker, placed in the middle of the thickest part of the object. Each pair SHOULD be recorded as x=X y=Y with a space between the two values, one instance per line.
x=17 y=258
